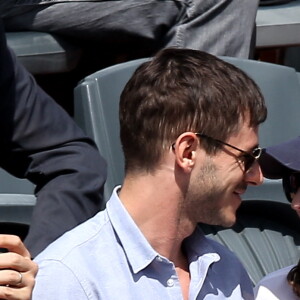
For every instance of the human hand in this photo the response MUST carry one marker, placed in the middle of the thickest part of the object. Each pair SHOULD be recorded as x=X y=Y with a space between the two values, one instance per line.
x=17 y=270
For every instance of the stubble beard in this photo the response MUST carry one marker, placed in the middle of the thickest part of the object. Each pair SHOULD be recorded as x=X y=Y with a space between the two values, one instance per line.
x=204 y=195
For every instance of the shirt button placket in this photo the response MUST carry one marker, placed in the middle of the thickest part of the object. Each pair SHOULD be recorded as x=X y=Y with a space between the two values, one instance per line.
x=170 y=282
x=159 y=259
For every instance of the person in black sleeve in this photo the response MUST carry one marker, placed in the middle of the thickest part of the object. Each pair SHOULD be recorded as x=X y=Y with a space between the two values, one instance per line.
x=40 y=141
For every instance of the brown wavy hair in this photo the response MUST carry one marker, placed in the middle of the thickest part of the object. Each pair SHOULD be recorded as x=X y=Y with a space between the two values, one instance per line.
x=183 y=90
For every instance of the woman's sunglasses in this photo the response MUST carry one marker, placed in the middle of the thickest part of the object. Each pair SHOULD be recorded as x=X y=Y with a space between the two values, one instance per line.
x=291 y=184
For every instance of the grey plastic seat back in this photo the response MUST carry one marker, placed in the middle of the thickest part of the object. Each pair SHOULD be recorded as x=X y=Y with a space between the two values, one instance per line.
x=16 y=208
x=17 y=202
x=15 y=213
x=96 y=111
x=43 y=53
x=280 y=86
x=13 y=185
x=265 y=237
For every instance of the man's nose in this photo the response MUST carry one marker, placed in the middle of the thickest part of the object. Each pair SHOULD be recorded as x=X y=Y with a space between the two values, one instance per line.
x=296 y=202
x=254 y=175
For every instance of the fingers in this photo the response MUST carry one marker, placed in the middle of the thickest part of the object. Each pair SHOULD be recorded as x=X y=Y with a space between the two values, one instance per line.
x=20 y=293
x=15 y=285
x=18 y=278
x=14 y=244
x=15 y=261
x=11 y=278
x=17 y=270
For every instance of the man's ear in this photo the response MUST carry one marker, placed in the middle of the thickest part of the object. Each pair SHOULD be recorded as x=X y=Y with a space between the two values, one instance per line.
x=185 y=150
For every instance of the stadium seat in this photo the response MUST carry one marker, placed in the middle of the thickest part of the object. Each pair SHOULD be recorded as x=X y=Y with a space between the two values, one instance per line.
x=44 y=53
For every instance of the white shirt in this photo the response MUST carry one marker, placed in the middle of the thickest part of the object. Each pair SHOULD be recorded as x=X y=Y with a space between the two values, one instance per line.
x=275 y=286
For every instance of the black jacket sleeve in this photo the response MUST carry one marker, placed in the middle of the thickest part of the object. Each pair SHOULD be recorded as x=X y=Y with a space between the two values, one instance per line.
x=40 y=142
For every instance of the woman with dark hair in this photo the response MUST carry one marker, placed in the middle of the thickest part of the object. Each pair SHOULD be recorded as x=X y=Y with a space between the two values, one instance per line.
x=283 y=161
x=294 y=279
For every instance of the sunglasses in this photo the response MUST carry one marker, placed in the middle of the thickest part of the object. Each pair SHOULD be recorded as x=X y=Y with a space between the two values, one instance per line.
x=291 y=184
x=248 y=157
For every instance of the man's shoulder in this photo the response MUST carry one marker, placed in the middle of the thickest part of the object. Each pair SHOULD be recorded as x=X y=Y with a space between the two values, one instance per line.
x=78 y=240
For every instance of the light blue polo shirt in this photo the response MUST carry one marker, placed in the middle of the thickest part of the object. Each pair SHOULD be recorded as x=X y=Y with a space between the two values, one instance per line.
x=108 y=258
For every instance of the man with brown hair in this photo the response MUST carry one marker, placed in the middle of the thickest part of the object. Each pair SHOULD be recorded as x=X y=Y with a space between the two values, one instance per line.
x=189 y=130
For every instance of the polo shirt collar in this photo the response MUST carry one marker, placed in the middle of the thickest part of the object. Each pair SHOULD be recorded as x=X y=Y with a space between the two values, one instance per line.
x=138 y=251
x=136 y=247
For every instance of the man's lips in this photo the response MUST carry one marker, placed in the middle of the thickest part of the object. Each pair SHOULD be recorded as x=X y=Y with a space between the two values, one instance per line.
x=241 y=189
x=239 y=192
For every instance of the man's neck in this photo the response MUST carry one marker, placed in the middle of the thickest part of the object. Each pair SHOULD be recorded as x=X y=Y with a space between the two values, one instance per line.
x=154 y=202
